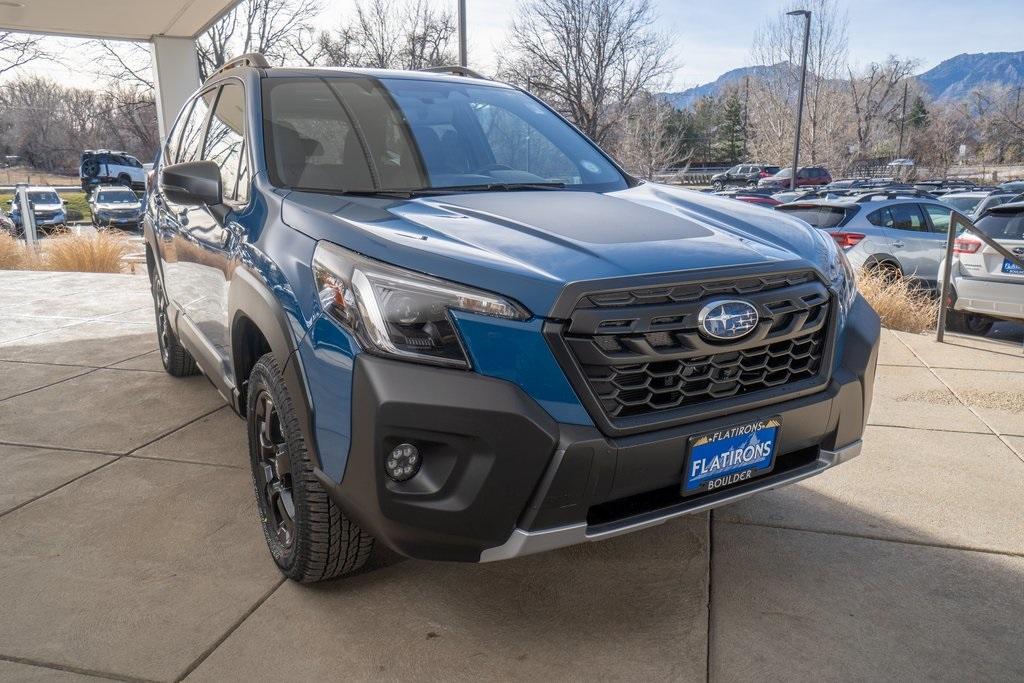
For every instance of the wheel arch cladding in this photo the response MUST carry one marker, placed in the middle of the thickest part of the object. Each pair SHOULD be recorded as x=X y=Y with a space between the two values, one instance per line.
x=259 y=321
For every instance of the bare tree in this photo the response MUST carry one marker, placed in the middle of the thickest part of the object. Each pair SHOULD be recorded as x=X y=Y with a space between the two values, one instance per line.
x=124 y=63
x=19 y=49
x=270 y=27
x=779 y=44
x=589 y=58
x=874 y=96
x=644 y=143
x=408 y=34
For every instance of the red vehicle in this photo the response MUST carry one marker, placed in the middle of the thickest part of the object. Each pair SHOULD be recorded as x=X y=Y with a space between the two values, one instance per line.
x=806 y=176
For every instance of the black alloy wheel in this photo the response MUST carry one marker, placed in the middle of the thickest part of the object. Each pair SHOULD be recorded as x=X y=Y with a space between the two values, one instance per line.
x=273 y=473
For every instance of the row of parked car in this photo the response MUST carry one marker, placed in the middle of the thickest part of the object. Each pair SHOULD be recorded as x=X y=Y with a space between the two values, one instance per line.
x=902 y=229
x=109 y=205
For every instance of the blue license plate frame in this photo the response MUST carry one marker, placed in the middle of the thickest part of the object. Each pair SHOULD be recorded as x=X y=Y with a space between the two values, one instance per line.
x=728 y=456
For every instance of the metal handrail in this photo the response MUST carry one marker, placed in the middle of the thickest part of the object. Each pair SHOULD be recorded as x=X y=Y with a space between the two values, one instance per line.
x=958 y=219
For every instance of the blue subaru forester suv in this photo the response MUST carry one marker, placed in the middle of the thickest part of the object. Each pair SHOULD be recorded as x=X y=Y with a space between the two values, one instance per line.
x=456 y=327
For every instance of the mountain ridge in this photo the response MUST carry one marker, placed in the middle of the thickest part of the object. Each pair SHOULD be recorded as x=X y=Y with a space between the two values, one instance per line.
x=950 y=80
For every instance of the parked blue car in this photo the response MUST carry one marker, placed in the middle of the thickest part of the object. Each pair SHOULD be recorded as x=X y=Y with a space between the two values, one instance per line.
x=456 y=327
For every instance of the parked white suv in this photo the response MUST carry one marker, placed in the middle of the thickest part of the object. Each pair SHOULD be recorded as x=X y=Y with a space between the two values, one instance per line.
x=103 y=166
x=987 y=286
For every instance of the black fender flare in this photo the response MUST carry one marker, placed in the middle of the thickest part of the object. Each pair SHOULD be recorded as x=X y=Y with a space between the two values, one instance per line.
x=250 y=298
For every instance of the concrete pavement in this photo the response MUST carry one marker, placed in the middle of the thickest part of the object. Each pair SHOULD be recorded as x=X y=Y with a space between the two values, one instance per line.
x=132 y=549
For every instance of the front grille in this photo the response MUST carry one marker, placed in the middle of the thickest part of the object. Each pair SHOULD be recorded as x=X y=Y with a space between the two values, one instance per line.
x=640 y=355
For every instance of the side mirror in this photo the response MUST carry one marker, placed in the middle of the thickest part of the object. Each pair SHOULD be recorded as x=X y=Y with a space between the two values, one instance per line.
x=192 y=183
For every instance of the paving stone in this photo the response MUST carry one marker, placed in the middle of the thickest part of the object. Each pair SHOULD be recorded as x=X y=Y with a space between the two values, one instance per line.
x=966 y=352
x=913 y=397
x=16 y=378
x=892 y=351
x=631 y=608
x=113 y=411
x=998 y=397
x=30 y=472
x=218 y=439
x=908 y=485
x=15 y=672
x=136 y=569
x=798 y=606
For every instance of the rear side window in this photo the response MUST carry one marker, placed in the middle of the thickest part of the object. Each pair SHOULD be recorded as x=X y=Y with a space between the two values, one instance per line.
x=1003 y=226
x=225 y=141
x=821 y=216
x=906 y=217
x=879 y=218
x=770 y=170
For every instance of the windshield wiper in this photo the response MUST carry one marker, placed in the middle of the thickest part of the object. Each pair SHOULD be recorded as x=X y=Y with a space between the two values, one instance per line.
x=502 y=187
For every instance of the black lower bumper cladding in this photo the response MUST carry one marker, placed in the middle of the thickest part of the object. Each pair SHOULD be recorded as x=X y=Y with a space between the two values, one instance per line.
x=494 y=462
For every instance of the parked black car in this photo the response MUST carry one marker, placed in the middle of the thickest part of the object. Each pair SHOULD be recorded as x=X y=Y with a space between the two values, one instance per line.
x=743 y=174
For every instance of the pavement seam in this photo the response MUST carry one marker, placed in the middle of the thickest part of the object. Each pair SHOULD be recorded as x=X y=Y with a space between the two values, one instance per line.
x=88 y=371
x=198 y=661
x=882 y=539
x=115 y=457
x=107 y=675
x=711 y=595
x=958 y=397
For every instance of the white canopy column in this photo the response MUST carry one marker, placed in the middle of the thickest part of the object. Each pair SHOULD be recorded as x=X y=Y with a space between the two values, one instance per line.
x=176 y=72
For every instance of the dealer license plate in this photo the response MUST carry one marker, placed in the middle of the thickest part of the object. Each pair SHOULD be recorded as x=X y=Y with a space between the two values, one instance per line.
x=1011 y=268
x=730 y=455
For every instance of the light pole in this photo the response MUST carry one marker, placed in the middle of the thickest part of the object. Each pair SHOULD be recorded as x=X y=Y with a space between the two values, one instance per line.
x=806 y=14
x=463 y=51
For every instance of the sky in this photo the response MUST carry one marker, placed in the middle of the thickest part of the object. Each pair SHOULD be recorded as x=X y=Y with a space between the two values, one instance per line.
x=711 y=38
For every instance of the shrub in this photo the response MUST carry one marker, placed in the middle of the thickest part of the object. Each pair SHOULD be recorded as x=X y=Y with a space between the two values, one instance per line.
x=101 y=253
x=900 y=304
x=12 y=252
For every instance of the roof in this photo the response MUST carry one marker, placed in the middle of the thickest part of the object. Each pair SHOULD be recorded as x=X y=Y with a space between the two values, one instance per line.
x=314 y=71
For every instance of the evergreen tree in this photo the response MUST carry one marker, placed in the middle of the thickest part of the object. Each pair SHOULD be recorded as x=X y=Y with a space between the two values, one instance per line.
x=728 y=145
x=918 y=115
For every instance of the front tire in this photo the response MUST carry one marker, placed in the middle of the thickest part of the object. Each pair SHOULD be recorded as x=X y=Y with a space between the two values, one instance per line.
x=308 y=535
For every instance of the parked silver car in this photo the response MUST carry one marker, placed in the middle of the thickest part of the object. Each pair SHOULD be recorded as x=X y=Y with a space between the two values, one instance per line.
x=973 y=204
x=905 y=235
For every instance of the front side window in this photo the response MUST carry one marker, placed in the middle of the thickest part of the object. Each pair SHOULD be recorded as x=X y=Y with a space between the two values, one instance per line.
x=939 y=216
x=225 y=138
x=194 y=132
x=362 y=134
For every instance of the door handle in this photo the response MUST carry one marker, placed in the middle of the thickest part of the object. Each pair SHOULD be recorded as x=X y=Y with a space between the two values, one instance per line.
x=898 y=244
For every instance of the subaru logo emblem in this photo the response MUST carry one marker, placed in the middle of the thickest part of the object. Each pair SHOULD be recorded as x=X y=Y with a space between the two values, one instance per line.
x=1019 y=251
x=730 y=319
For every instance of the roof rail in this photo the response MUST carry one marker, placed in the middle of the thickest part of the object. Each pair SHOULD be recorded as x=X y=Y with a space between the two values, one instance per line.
x=253 y=59
x=891 y=194
x=456 y=70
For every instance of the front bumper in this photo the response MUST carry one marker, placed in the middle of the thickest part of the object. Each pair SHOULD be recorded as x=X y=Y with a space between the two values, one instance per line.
x=500 y=478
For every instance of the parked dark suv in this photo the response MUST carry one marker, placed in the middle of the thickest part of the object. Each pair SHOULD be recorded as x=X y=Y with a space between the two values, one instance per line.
x=455 y=327
x=745 y=175
x=806 y=176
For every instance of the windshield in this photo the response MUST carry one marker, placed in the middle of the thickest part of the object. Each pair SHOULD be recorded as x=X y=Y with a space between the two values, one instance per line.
x=43 y=198
x=117 y=197
x=962 y=204
x=360 y=134
x=784 y=173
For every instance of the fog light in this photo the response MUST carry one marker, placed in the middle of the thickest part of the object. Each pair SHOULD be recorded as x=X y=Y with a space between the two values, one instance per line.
x=403 y=462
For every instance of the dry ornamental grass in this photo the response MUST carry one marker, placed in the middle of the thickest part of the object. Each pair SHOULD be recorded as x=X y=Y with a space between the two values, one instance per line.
x=899 y=303
x=103 y=252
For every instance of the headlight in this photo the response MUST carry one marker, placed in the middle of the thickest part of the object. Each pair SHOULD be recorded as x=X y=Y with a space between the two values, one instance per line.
x=840 y=273
x=397 y=312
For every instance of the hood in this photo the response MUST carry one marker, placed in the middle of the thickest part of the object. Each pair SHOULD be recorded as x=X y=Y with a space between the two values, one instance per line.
x=529 y=245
